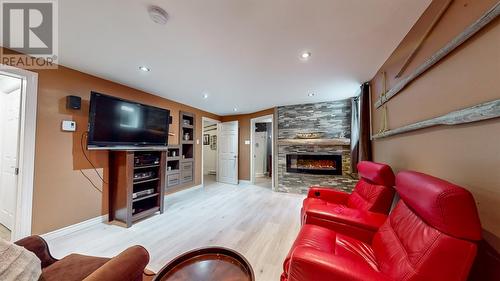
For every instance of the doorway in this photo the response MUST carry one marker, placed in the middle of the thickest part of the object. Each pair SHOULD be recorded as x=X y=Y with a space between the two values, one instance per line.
x=261 y=167
x=209 y=152
x=10 y=108
x=18 y=90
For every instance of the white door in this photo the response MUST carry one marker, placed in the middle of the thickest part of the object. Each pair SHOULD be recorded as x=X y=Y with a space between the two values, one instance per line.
x=260 y=156
x=10 y=110
x=228 y=152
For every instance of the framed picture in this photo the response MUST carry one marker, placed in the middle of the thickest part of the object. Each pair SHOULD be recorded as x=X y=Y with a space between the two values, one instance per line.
x=206 y=139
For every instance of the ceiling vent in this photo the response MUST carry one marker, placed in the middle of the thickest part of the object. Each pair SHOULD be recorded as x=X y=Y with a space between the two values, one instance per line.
x=158 y=15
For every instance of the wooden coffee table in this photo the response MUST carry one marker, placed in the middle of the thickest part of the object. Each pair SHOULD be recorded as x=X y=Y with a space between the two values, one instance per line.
x=207 y=264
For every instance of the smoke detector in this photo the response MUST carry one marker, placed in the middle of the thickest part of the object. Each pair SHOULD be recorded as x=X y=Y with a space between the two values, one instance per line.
x=158 y=15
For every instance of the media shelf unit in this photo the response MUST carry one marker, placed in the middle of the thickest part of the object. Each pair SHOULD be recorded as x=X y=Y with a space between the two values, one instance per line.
x=136 y=186
x=173 y=166
x=187 y=131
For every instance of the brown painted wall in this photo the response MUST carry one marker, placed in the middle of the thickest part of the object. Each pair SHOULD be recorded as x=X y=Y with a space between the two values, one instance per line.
x=62 y=195
x=468 y=155
x=244 y=134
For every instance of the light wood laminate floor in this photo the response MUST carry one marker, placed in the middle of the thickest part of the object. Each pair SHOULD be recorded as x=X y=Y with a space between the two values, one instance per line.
x=4 y=232
x=255 y=221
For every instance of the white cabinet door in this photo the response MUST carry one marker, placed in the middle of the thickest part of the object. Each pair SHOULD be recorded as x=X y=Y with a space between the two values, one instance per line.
x=228 y=152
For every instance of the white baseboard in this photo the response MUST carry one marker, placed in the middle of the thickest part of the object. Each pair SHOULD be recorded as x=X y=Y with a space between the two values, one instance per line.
x=74 y=227
x=245 y=182
x=88 y=223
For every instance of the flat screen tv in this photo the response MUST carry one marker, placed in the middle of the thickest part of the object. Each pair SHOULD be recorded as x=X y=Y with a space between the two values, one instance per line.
x=115 y=122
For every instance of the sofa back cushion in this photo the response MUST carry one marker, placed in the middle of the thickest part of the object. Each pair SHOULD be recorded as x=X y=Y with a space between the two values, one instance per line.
x=371 y=197
x=419 y=241
x=374 y=191
x=407 y=248
x=445 y=206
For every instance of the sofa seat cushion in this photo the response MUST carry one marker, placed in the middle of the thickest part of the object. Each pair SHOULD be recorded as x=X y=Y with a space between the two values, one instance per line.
x=334 y=244
x=73 y=268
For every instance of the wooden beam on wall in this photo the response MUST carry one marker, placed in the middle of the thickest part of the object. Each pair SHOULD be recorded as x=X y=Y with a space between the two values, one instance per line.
x=484 y=111
x=479 y=24
x=424 y=37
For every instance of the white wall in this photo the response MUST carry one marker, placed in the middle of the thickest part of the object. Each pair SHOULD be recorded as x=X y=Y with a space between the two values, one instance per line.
x=209 y=156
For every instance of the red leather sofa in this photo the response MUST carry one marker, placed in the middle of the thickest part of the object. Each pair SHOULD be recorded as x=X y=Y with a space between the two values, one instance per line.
x=431 y=235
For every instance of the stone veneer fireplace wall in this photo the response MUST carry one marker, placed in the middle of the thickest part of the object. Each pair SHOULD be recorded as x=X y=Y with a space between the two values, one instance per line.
x=333 y=118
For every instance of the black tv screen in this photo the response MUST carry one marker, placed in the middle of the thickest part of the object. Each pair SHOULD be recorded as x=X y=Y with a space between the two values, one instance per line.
x=119 y=122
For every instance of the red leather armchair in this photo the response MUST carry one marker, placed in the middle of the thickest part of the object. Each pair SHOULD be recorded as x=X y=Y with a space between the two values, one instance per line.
x=361 y=213
x=431 y=235
x=374 y=191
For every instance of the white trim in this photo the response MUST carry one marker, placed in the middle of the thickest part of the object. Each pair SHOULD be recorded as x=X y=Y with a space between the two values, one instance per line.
x=202 y=150
x=70 y=229
x=252 y=142
x=24 y=203
x=244 y=182
x=74 y=228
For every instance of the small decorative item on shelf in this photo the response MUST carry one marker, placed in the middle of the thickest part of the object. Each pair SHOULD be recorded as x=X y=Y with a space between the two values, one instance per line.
x=174 y=153
x=310 y=135
x=186 y=122
x=186 y=136
x=213 y=142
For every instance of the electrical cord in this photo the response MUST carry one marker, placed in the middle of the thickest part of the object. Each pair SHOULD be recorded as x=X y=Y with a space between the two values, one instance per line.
x=91 y=182
x=86 y=157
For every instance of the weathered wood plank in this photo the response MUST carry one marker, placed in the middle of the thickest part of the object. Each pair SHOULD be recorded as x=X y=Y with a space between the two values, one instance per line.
x=484 y=111
x=484 y=20
x=424 y=37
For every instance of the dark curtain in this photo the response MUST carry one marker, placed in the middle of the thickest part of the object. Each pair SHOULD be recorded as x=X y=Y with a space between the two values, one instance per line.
x=361 y=147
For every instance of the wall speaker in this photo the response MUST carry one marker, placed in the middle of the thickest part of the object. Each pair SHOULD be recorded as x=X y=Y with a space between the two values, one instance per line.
x=73 y=102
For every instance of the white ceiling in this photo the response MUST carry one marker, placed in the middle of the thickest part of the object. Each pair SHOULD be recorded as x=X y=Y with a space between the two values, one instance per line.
x=244 y=53
x=9 y=84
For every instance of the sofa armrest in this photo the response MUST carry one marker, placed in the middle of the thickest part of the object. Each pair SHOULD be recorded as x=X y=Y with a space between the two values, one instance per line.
x=328 y=194
x=358 y=224
x=310 y=264
x=39 y=247
x=364 y=219
x=129 y=265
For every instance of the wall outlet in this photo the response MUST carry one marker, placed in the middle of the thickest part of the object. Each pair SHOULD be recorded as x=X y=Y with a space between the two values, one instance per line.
x=68 y=126
x=247 y=142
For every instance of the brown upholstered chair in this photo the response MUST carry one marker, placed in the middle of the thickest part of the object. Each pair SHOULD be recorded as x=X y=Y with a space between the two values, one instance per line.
x=127 y=266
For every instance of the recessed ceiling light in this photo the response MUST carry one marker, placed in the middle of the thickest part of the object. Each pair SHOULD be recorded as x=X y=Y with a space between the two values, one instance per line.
x=305 y=55
x=145 y=68
x=311 y=94
x=235 y=109
x=205 y=95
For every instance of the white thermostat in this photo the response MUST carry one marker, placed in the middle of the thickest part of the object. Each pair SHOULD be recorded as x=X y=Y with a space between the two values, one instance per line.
x=68 y=126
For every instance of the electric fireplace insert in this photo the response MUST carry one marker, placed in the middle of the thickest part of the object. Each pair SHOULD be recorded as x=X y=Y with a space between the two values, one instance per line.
x=316 y=164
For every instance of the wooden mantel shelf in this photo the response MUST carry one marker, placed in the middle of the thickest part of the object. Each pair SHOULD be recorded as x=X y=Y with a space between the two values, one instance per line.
x=338 y=141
